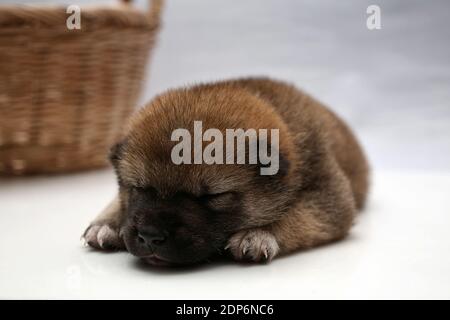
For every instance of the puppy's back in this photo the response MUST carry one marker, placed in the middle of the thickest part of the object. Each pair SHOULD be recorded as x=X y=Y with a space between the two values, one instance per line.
x=306 y=117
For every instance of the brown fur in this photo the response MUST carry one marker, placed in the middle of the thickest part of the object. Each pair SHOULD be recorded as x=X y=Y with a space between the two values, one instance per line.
x=311 y=202
x=336 y=171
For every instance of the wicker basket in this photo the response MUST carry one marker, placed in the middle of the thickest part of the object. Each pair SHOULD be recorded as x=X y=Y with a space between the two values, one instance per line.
x=65 y=94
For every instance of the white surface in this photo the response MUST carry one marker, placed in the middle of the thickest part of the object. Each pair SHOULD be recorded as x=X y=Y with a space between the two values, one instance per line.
x=391 y=85
x=398 y=249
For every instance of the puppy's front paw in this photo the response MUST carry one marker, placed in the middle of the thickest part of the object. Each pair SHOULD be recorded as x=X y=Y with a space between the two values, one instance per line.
x=103 y=236
x=255 y=245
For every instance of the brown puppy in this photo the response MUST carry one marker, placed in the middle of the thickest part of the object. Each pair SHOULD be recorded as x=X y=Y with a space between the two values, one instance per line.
x=179 y=214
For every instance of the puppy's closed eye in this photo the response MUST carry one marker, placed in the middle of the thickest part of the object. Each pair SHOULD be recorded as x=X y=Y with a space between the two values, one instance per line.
x=224 y=201
x=144 y=189
x=137 y=192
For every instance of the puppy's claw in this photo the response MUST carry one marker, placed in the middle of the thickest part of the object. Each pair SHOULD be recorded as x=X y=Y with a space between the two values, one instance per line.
x=103 y=237
x=83 y=241
x=255 y=245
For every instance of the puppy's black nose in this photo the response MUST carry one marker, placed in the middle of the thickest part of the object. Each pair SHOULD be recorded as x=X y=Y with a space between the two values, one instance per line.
x=151 y=236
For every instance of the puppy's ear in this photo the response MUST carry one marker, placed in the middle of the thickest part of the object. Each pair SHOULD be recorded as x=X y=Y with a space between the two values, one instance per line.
x=116 y=152
x=284 y=165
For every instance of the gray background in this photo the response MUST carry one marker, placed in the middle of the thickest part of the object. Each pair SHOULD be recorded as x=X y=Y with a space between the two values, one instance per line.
x=392 y=85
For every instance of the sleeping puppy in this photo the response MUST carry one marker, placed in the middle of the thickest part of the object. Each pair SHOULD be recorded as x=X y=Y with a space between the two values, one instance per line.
x=172 y=213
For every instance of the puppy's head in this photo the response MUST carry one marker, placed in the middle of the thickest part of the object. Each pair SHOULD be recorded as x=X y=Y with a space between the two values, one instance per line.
x=185 y=213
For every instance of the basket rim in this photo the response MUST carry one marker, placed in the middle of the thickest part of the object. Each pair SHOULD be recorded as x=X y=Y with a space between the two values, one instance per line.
x=52 y=15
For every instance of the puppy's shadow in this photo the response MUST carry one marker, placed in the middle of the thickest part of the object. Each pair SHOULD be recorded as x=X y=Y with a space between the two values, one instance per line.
x=216 y=262
x=225 y=260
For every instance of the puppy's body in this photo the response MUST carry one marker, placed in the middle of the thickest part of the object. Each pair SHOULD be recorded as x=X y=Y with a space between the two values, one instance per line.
x=322 y=181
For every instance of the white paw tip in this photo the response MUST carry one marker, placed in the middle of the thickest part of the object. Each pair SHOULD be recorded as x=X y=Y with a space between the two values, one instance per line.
x=256 y=245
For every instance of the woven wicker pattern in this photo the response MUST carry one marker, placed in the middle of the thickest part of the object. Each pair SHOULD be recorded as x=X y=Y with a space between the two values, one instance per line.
x=65 y=94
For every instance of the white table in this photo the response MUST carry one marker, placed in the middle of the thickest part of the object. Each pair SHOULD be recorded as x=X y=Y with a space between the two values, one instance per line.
x=399 y=248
